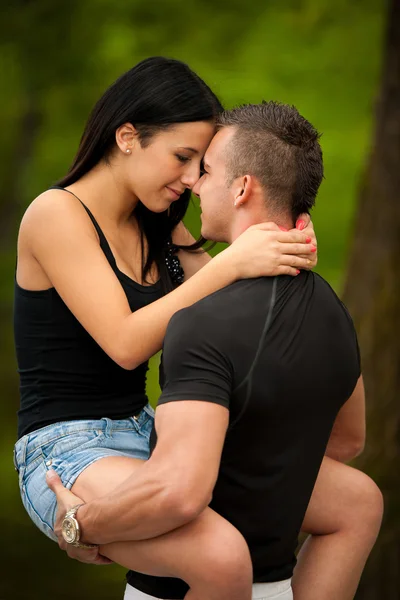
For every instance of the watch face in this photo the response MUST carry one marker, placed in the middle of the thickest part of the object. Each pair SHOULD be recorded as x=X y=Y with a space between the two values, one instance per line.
x=69 y=530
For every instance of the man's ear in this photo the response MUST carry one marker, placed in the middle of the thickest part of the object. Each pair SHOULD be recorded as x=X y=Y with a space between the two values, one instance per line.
x=242 y=190
x=125 y=137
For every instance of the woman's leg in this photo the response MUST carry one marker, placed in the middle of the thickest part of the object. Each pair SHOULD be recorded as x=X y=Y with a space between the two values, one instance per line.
x=344 y=517
x=208 y=553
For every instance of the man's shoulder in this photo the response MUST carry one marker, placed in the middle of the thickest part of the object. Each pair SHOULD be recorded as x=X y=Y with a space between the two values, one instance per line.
x=218 y=310
x=323 y=284
x=244 y=290
x=325 y=289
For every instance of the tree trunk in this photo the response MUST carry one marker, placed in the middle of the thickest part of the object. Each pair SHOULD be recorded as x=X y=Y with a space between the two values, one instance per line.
x=372 y=294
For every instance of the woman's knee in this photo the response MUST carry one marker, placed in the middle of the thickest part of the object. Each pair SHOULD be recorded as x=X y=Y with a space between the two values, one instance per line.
x=226 y=561
x=343 y=499
x=368 y=505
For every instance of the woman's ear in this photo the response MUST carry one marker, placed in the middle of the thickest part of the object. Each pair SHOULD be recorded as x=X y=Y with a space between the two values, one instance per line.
x=125 y=137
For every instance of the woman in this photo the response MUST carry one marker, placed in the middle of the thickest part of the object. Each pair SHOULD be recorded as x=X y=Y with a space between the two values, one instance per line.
x=95 y=260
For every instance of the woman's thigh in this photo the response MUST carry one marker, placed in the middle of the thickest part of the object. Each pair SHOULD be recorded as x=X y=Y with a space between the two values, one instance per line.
x=92 y=458
x=209 y=538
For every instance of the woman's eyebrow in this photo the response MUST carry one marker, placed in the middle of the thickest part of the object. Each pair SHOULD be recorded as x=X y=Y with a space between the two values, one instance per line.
x=190 y=149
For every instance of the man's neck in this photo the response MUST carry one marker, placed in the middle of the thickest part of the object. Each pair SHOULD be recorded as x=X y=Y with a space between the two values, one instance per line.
x=246 y=220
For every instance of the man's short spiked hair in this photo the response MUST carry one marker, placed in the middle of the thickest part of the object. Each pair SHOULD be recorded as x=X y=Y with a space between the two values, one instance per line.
x=279 y=147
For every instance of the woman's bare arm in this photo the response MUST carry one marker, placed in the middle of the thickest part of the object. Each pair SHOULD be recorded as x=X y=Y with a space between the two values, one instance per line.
x=63 y=241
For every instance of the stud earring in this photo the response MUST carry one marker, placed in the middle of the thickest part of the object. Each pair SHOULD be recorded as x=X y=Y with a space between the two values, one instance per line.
x=128 y=150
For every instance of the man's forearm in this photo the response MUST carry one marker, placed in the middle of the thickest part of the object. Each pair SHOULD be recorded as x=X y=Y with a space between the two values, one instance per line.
x=146 y=505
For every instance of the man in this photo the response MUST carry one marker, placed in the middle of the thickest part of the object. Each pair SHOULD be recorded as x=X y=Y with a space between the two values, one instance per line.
x=268 y=363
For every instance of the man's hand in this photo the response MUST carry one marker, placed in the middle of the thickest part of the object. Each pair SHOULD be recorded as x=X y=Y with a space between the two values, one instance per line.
x=65 y=501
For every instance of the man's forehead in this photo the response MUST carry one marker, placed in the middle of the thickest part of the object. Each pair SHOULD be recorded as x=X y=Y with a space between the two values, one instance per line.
x=215 y=150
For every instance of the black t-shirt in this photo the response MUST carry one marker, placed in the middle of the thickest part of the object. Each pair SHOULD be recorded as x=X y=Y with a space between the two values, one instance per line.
x=283 y=374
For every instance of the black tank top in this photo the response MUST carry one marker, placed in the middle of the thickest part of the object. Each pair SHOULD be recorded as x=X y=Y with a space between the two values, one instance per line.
x=64 y=374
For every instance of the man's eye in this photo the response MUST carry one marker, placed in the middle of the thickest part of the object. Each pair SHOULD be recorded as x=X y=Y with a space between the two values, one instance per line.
x=182 y=159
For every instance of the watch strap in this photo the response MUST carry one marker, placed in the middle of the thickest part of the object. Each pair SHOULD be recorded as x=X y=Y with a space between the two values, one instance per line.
x=72 y=511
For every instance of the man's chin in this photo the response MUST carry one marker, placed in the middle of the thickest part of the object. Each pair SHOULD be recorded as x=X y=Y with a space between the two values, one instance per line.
x=211 y=236
x=206 y=234
x=203 y=232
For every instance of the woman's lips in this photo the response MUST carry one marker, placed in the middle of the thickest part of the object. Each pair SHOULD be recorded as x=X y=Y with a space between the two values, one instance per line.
x=176 y=194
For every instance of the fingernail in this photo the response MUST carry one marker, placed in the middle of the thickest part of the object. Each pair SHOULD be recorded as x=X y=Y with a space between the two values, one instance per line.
x=283 y=228
x=300 y=224
x=308 y=240
x=313 y=249
x=297 y=271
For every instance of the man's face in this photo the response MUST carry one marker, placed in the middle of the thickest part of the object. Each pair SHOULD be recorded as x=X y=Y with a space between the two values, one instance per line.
x=216 y=199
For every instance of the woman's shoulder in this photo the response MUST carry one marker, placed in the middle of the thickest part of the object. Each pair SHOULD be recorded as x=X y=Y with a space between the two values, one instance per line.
x=55 y=209
x=54 y=201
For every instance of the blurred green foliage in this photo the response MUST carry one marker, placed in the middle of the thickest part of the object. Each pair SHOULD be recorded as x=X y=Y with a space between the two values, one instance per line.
x=57 y=58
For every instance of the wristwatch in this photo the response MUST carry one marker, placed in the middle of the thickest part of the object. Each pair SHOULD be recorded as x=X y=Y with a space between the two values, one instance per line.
x=70 y=529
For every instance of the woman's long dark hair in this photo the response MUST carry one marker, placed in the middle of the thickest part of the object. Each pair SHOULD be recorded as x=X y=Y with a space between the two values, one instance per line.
x=152 y=96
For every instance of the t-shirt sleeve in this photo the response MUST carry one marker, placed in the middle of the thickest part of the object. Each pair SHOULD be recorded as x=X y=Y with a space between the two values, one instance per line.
x=196 y=362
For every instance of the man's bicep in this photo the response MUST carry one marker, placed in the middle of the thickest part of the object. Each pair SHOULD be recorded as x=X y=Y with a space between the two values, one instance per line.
x=190 y=438
x=193 y=411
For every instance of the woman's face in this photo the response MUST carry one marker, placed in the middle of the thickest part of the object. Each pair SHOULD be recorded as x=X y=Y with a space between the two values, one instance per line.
x=160 y=172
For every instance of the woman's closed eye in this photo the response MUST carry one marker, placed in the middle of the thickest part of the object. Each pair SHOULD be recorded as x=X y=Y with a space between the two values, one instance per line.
x=182 y=159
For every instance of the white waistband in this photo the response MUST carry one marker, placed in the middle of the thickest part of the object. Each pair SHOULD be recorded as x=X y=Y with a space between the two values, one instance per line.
x=270 y=590
x=261 y=591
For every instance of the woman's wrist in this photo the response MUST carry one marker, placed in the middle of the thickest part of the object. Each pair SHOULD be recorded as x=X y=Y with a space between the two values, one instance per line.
x=226 y=266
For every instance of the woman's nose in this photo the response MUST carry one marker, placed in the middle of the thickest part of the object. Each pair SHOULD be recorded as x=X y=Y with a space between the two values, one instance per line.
x=191 y=176
x=196 y=188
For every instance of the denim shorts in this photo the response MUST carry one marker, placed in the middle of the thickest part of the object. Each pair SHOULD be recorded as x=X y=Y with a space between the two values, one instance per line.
x=69 y=447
